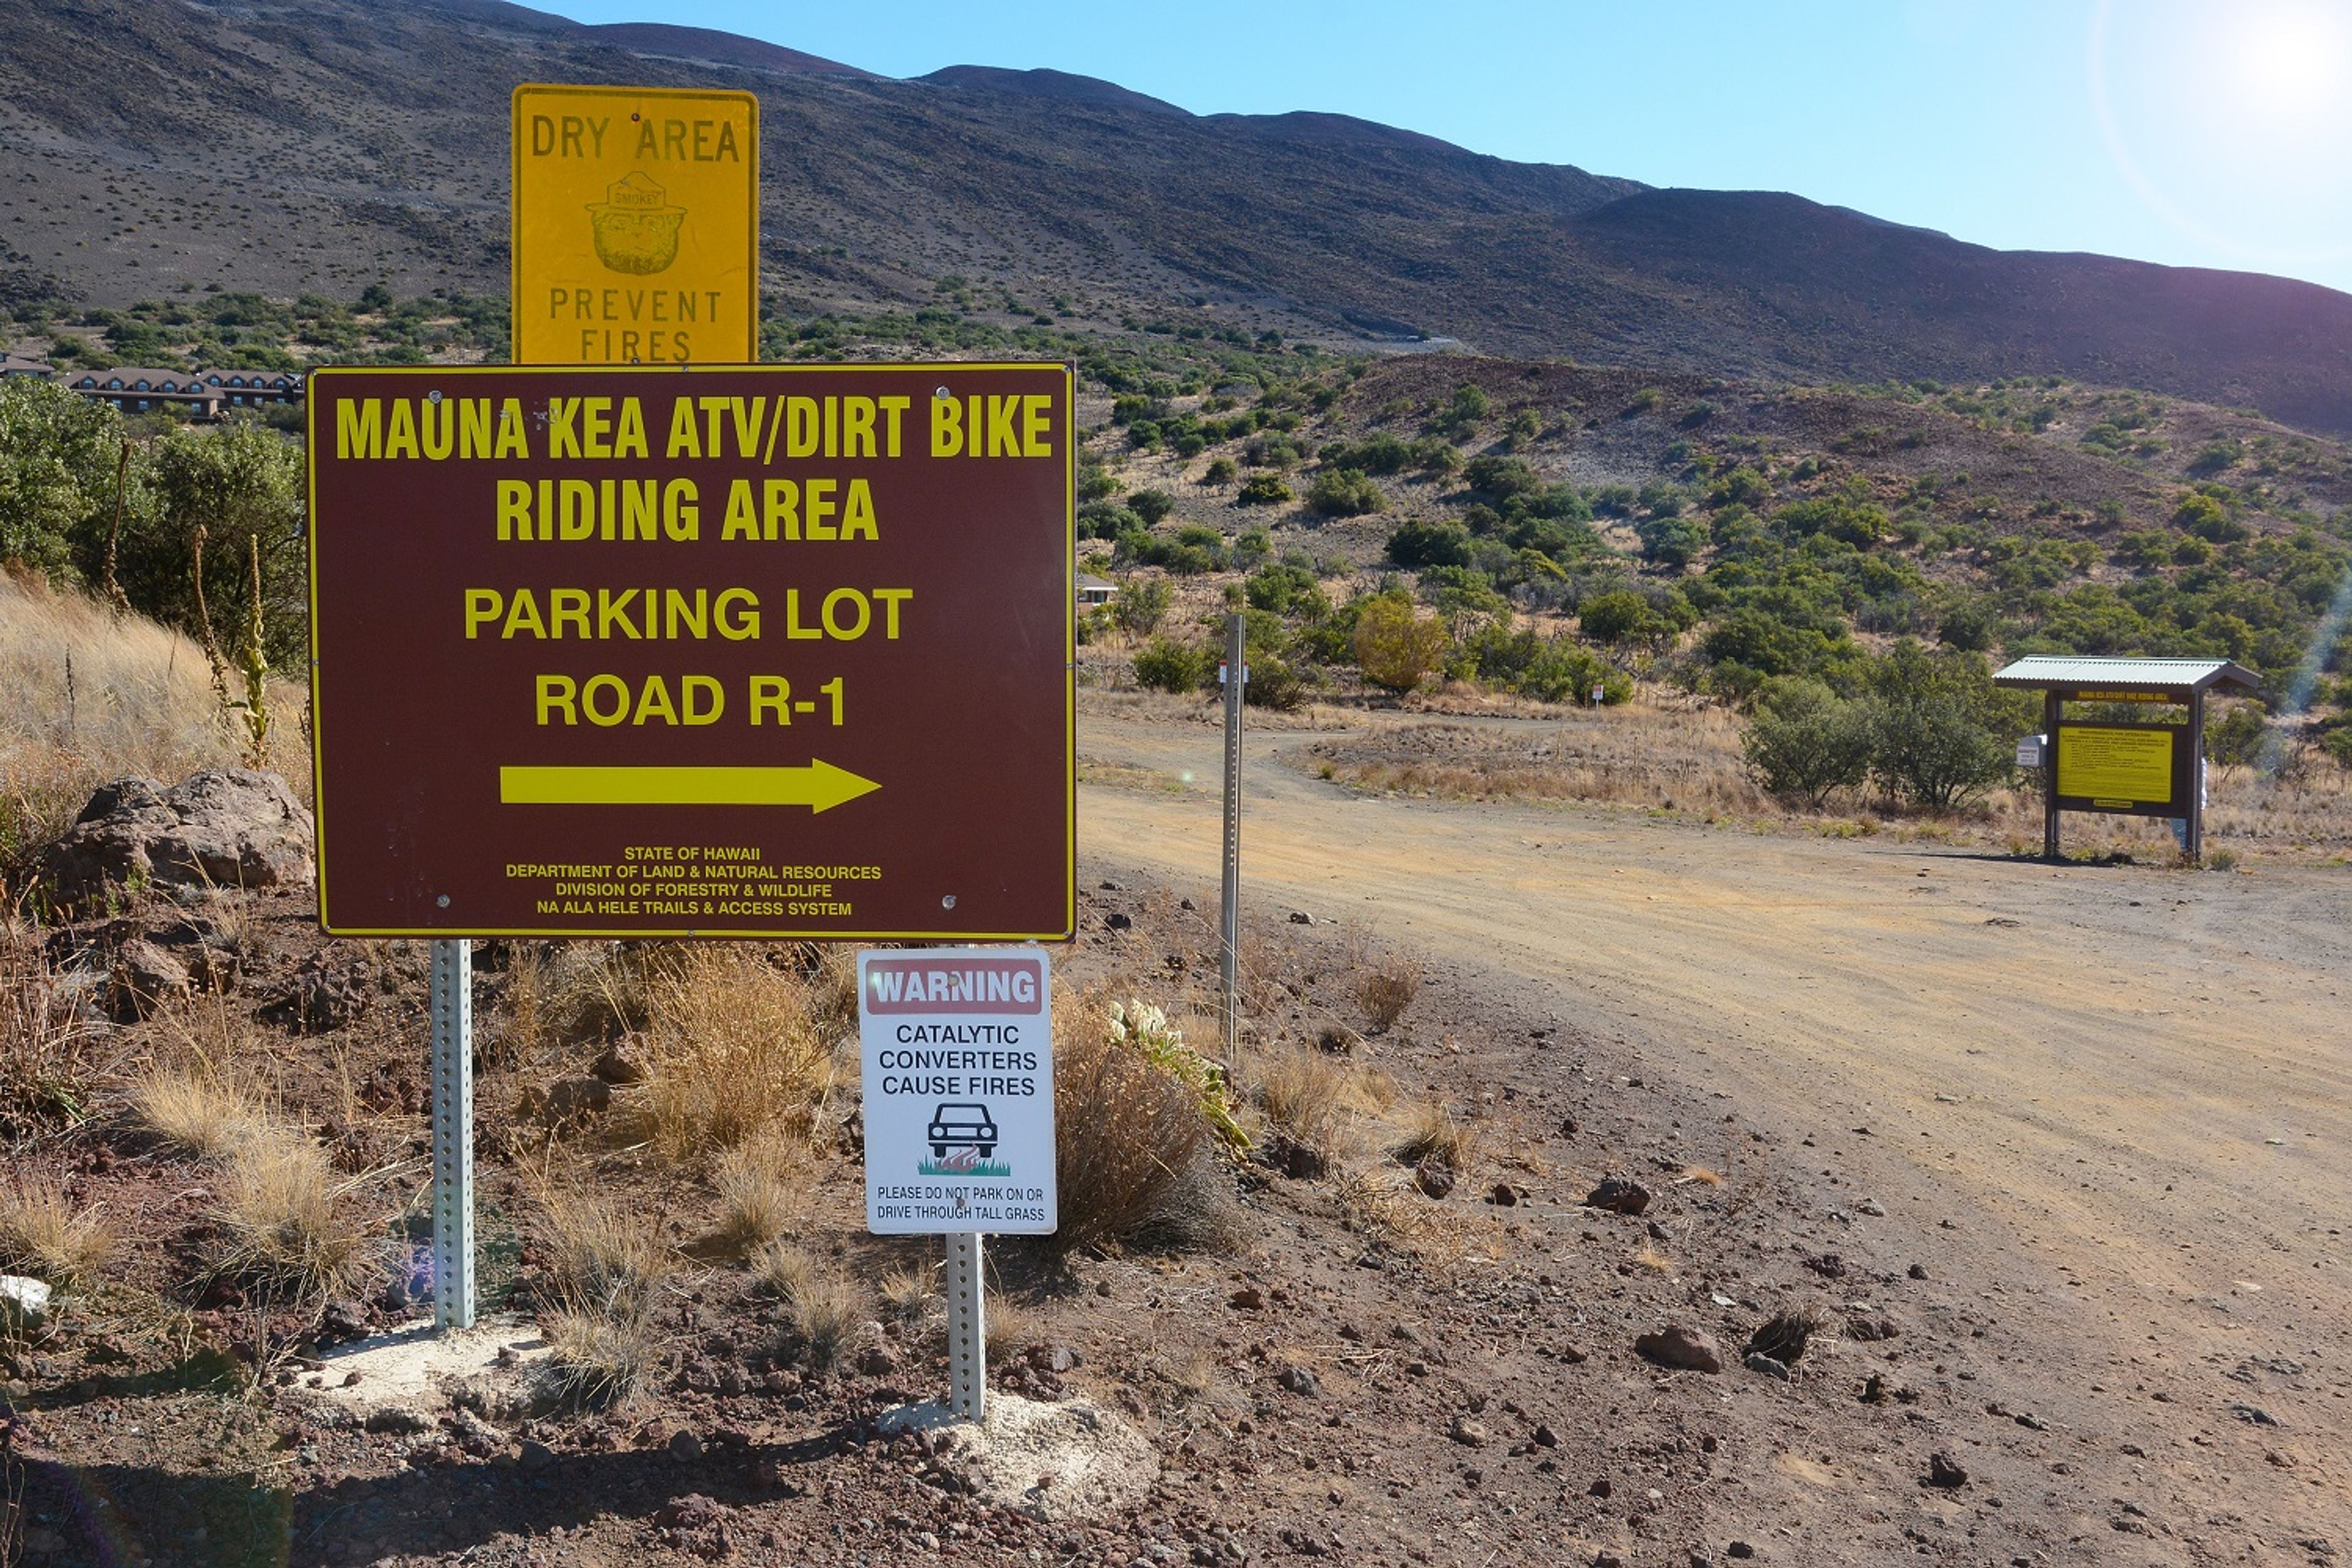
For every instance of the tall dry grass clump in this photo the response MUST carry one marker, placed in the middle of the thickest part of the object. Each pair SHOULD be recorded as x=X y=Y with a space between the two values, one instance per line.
x=1136 y=1116
x=762 y=1185
x=607 y=1266
x=734 y=1051
x=823 y=1307
x=1434 y=1134
x=50 y=1051
x=1387 y=989
x=1307 y=1096
x=284 y=1219
x=94 y=694
x=44 y=1236
x=199 y=1110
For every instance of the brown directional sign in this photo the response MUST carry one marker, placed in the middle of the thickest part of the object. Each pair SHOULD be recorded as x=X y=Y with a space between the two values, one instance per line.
x=748 y=651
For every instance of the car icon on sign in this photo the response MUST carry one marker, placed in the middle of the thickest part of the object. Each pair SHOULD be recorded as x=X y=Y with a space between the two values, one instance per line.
x=956 y=1126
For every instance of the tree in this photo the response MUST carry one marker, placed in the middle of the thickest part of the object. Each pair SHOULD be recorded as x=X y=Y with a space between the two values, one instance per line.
x=239 y=482
x=1941 y=731
x=1621 y=616
x=1263 y=489
x=1151 y=506
x=58 y=459
x=1806 y=742
x=1395 y=647
x=1139 y=607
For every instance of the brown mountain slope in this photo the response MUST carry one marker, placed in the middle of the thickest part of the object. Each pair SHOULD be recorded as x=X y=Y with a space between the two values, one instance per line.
x=148 y=146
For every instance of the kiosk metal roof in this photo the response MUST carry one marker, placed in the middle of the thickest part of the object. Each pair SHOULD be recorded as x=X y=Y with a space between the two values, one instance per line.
x=2050 y=671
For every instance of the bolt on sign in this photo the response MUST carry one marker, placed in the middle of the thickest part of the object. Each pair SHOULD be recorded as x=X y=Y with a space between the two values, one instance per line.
x=745 y=651
x=957 y=1096
x=636 y=226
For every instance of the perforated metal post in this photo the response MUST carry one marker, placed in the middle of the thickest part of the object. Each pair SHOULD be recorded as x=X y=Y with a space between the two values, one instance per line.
x=453 y=1134
x=967 y=1330
x=1230 y=919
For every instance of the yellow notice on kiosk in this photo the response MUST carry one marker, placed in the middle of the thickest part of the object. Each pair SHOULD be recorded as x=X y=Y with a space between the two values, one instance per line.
x=637 y=225
x=2127 y=766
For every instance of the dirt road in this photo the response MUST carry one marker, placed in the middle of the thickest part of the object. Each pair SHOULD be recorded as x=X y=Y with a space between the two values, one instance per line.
x=2127 y=1093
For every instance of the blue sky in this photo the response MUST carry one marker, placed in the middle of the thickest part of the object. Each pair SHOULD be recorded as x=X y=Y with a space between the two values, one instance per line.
x=2197 y=132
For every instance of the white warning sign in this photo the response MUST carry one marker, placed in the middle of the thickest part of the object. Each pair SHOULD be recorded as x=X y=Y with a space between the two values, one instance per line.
x=959 y=1091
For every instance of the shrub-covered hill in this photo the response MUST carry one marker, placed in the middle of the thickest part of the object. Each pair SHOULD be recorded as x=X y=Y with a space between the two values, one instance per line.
x=1764 y=531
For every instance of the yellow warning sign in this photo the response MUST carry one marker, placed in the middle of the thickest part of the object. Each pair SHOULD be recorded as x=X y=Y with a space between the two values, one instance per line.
x=2115 y=768
x=637 y=225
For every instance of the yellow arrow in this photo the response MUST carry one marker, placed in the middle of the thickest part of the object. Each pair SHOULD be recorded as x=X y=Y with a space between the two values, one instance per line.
x=820 y=786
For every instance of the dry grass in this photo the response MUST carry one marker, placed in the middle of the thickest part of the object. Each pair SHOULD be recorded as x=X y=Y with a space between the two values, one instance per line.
x=762 y=1185
x=1668 y=752
x=596 y=1359
x=608 y=1265
x=908 y=1295
x=1386 y=990
x=1672 y=753
x=734 y=1050
x=138 y=700
x=44 y=1236
x=1435 y=1134
x=1702 y=1175
x=824 y=1308
x=1133 y=1148
x=283 y=1219
x=1651 y=1258
x=198 y=1109
x=1009 y=1327
x=1308 y=1096
x=608 y=1260
x=51 y=1052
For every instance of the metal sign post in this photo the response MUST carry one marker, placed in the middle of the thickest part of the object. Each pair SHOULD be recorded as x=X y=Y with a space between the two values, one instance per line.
x=453 y=1134
x=967 y=1294
x=1229 y=921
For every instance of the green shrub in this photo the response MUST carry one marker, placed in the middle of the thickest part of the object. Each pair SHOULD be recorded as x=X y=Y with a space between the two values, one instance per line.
x=1806 y=742
x=1418 y=544
x=1394 y=647
x=1941 y=731
x=1500 y=479
x=1151 y=506
x=1621 y=616
x=1345 y=493
x=1220 y=471
x=1376 y=454
x=1263 y=489
x=1284 y=589
x=1140 y=606
x=1671 y=541
x=1435 y=454
x=2236 y=736
x=1164 y=665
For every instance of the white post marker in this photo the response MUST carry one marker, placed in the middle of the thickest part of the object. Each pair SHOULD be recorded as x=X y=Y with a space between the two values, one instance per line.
x=959 y=1106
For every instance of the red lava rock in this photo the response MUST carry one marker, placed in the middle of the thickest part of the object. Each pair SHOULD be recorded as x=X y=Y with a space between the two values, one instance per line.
x=1681 y=1346
x=1943 y=1470
x=1248 y=1299
x=1433 y=1179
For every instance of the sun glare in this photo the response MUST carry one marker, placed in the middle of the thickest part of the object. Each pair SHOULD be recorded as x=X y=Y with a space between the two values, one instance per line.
x=2287 y=60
